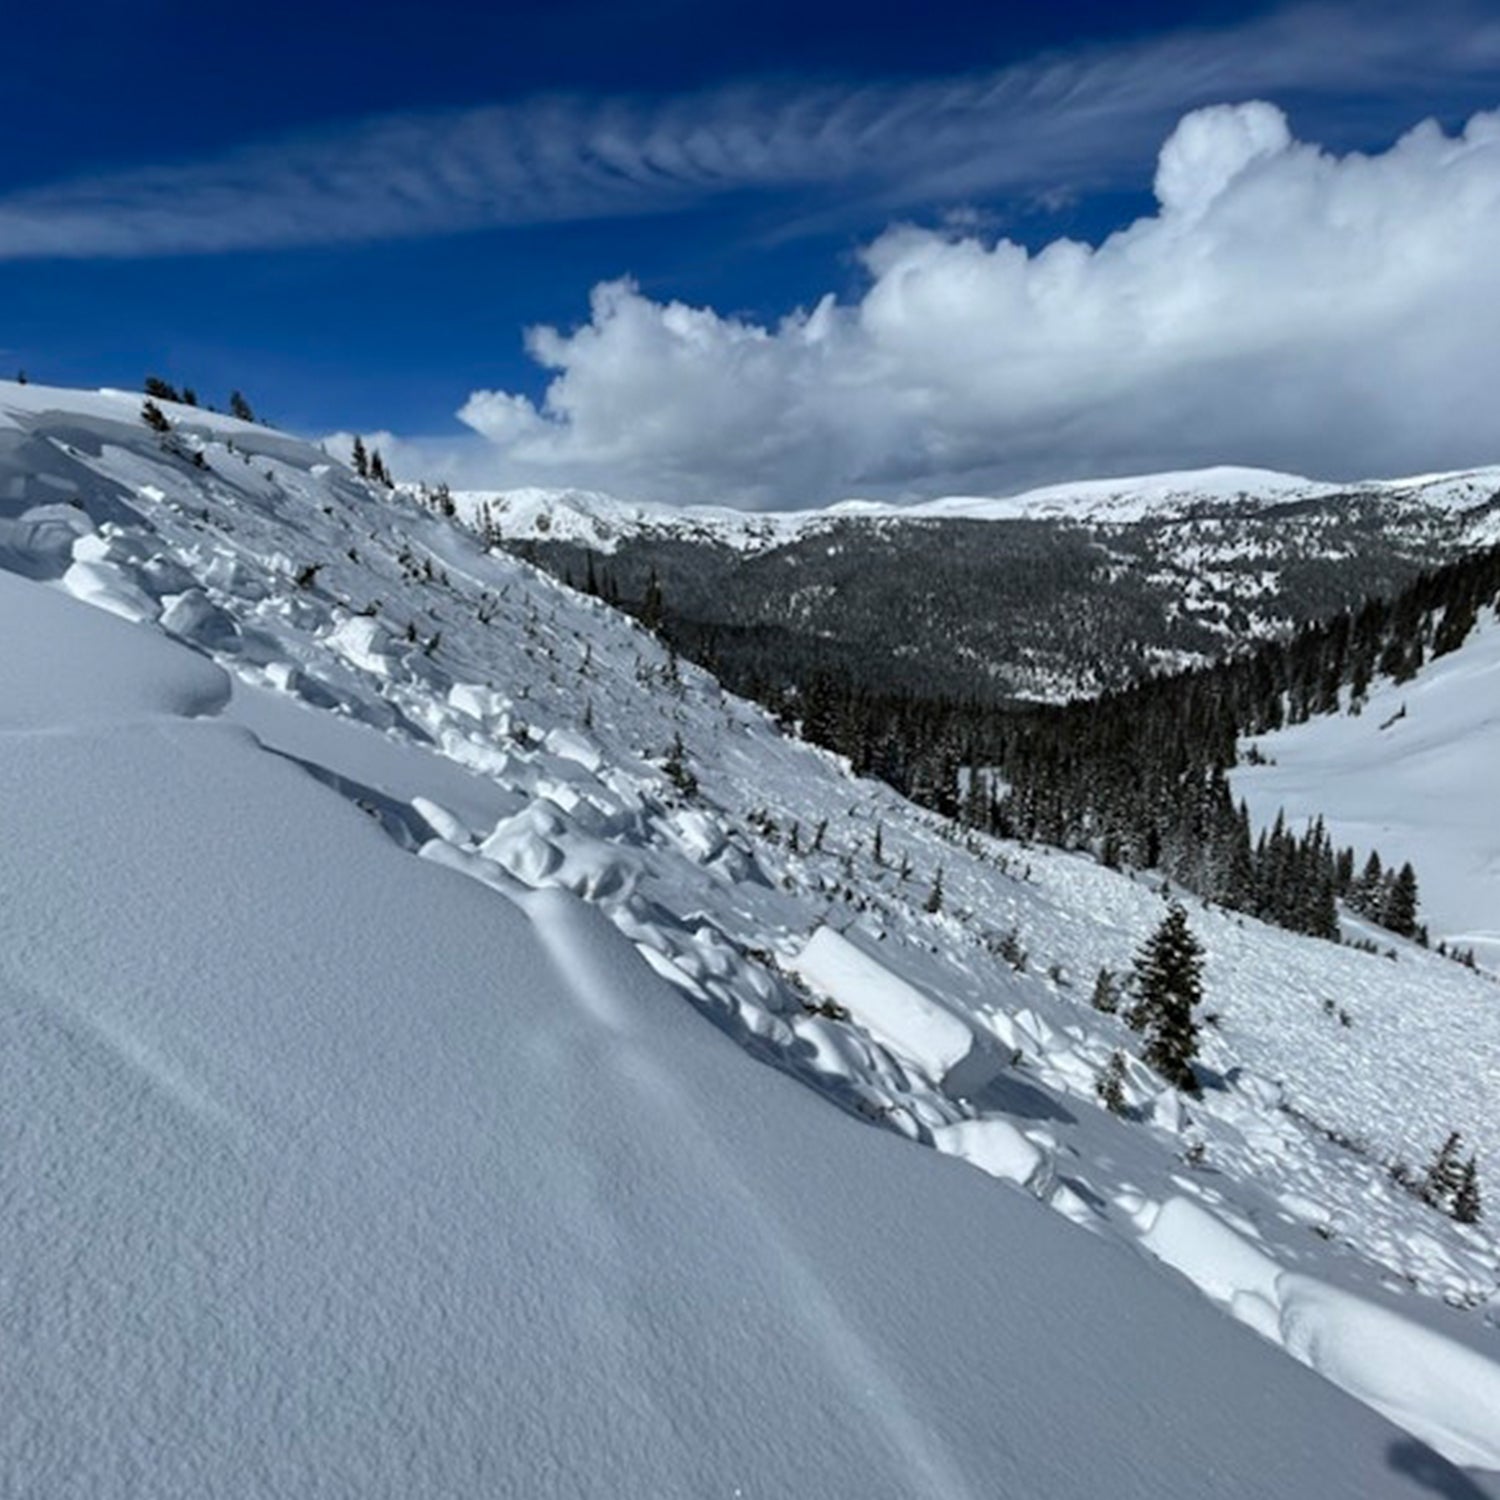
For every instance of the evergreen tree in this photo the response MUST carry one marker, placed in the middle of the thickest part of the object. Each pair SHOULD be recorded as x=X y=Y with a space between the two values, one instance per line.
x=240 y=408
x=1106 y=996
x=1168 y=984
x=653 y=606
x=934 y=902
x=154 y=417
x=1399 y=911
x=1365 y=893
x=360 y=459
x=1467 y=1208
x=159 y=390
x=1445 y=1174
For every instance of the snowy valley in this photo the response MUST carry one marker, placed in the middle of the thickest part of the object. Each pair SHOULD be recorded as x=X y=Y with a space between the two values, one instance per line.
x=1073 y=589
x=453 y=1047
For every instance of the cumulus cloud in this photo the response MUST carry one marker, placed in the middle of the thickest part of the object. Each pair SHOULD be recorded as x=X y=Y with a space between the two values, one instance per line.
x=1283 y=306
x=1046 y=127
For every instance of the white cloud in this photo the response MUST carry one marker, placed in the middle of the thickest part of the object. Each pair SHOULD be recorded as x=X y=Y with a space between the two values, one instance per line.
x=1045 y=127
x=1283 y=307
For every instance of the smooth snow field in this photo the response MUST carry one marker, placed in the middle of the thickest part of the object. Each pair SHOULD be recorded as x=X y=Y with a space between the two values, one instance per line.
x=406 y=1089
x=1416 y=775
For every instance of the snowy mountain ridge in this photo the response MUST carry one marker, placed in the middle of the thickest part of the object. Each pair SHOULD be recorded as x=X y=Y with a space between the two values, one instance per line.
x=1069 y=591
x=567 y=1226
x=601 y=521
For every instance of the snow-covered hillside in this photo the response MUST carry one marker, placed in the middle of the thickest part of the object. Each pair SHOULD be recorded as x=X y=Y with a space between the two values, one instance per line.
x=601 y=521
x=1412 y=775
x=379 y=920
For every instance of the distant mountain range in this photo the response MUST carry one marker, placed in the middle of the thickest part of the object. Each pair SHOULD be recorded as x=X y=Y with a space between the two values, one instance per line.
x=1067 y=590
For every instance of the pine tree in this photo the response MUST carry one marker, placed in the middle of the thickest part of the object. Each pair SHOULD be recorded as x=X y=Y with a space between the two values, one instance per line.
x=239 y=408
x=1168 y=983
x=653 y=606
x=1399 y=911
x=1106 y=996
x=154 y=417
x=159 y=390
x=1467 y=1208
x=1365 y=893
x=934 y=902
x=359 y=458
x=1445 y=1174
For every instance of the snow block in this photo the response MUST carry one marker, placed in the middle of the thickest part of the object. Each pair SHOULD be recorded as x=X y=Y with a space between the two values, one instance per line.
x=997 y=1147
x=896 y=1013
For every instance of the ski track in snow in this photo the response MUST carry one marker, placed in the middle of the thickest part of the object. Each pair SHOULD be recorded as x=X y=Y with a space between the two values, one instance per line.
x=507 y=729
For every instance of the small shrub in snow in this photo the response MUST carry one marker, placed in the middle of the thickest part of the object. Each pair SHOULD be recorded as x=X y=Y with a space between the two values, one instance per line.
x=677 y=769
x=1009 y=948
x=1110 y=1084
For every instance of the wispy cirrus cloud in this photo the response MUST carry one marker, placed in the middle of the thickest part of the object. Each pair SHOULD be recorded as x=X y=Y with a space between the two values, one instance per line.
x=1063 y=121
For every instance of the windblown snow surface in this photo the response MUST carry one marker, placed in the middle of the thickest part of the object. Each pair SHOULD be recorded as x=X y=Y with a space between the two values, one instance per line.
x=409 y=1089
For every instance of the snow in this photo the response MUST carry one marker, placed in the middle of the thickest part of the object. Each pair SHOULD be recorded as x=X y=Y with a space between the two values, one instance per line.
x=909 y=1023
x=329 y=1170
x=1412 y=777
x=408 y=1090
x=601 y=521
x=1429 y=1384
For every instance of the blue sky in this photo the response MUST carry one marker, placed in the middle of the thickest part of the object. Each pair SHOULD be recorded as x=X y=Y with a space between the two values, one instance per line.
x=356 y=216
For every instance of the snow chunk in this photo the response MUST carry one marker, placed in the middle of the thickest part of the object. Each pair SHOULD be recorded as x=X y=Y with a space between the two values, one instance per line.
x=1436 y=1388
x=569 y=744
x=194 y=617
x=997 y=1147
x=363 y=643
x=895 y=1012
x=107 y=585
x=1221 y=1263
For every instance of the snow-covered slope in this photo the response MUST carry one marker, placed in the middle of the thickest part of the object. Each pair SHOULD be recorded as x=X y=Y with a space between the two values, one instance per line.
x=601 y=521
x=365 y=1130
x=1413 y=775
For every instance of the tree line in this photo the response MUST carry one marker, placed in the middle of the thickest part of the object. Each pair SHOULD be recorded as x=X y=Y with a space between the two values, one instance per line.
x=1139 y=776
